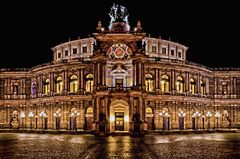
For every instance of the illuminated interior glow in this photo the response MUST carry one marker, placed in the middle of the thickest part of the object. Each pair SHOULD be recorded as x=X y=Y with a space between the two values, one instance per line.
x=112 y=118
x=126 y=118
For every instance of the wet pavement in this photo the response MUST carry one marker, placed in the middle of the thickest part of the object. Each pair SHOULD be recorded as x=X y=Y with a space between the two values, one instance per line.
x=207 y=146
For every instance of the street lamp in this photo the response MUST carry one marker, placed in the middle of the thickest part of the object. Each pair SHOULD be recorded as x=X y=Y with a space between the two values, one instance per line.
x=30 y=115
x=163 y=114
x=74 y=116
x=208 y=118
x=181 y=115
x=57 y=115
x=42 y=115
x=196 y=115
x=217 y=116
x=22 y=115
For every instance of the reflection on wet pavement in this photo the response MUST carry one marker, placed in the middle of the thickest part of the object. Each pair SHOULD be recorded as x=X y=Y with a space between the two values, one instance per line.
x=214 y=145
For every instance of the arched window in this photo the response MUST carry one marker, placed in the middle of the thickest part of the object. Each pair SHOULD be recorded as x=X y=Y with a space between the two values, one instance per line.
x=34 y=89
x=89 y=83
x=192 y=86
x=179 y=84
x=89 y=112
x=149 y=112
x=165 y=83
x=46 y=86
x=149 y=83
x=59 y=85
x=203 y=87
x=73 y=82
x=224 y=88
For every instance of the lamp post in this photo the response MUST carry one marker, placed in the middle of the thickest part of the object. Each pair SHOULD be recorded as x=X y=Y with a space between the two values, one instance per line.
x=208 y=118
x=217 y=116
x=22 y=115
x=181 y=120
x=196 y=115
x=163 y=114
x=57 y=115
x=42 y=115
x=30 y=115
x=74 y=116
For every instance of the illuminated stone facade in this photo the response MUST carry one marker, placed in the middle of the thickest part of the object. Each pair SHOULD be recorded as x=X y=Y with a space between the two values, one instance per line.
x=120 y=80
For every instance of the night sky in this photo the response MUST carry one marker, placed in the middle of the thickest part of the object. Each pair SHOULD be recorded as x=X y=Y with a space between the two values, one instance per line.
x=210 y=30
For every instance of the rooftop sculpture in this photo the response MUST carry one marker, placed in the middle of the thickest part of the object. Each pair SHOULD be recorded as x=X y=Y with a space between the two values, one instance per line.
x=118 y=13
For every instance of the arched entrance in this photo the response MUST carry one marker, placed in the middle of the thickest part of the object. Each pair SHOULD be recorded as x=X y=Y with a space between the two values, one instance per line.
x=149 y=116
x=119 y=116
x=57 y=116
x=89 y=118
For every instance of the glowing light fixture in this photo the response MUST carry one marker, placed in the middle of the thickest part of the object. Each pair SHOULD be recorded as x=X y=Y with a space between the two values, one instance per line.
x=22 y=115
x=112 y=118
x=126 y=118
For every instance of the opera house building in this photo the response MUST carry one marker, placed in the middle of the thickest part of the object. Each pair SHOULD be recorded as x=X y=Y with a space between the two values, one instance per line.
x=119 y=80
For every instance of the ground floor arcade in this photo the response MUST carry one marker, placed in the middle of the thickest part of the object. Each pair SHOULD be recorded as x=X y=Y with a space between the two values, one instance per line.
x=120 y=115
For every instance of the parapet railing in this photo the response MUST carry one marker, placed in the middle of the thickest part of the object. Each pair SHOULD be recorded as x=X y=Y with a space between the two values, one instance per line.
x=14 y=69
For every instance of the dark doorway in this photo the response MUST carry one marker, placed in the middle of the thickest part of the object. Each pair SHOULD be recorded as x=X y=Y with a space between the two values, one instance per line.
x=193 y=123
x=181 y=123
x=150 y=123
x=45 y=123
x=166 y=124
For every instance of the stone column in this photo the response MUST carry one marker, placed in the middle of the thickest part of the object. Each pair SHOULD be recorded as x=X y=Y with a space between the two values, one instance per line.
x=95 y=74
x=98 y=108
x=79 y=47
x=173 y=81
x=65 y=115
x=143 y=76
x=134 y=73
x=207 y=85
x=159 y=81
x=82 y=115
x=140 y=108
x=40 y=86
x=65 y=82
x=107 y=112
x=82 y=81
x=52 y=82
x=104 y=74
x=156 y=81
x=139 y=74
x=157 y=117
x=215 y=85
x=98 y=73
x=79 y=81
x=231 y=86
x=131 y=112
x=187 y=83
x=198 y=84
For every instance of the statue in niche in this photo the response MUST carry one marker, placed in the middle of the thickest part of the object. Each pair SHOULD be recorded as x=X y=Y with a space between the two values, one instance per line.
x=143 y=46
